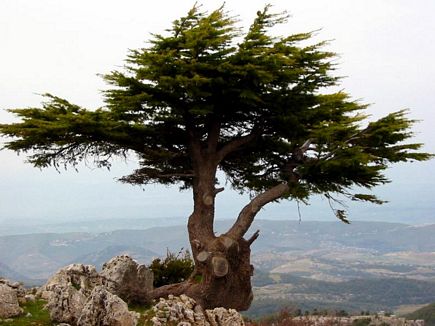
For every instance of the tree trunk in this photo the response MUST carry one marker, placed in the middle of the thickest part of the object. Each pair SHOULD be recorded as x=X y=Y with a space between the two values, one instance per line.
x=222 y=277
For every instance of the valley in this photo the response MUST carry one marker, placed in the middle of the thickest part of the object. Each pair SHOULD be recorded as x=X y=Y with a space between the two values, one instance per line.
x=324 y=265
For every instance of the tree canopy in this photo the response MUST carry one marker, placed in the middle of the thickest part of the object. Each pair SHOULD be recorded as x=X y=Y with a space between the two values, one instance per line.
x=259 y=102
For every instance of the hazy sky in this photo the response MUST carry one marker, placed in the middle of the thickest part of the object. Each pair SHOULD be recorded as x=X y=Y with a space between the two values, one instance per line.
x=386 y=48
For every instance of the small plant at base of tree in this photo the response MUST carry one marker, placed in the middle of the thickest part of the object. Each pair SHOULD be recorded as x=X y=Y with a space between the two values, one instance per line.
x=174 y=268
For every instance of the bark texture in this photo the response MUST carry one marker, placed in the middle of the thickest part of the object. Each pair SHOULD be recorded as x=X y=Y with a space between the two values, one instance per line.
x=222 y=280
x=222 y=275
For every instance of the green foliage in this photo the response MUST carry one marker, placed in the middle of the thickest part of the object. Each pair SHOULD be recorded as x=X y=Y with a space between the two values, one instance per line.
x=260 y=108
x=173 y=269
x=146 y=314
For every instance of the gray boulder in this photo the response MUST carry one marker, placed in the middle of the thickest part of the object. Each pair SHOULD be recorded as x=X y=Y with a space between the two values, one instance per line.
x=82 y=277
x=67 y=291
x=17 y=287
x=9 y=306
x=65 y=303
x=105 y=309
x=77 y=292
x=127 y=279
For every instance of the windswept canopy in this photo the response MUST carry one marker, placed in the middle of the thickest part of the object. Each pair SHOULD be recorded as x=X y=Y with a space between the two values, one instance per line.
x=258 y=106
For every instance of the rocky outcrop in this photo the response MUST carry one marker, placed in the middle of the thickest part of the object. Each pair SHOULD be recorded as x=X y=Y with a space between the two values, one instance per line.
x=222 y=316
x=9 y=306
x=127 y=279
x=80 y=296
x=68 y=290
x=65 y=303
x=82 y=277
x=184 y=311
x=105 y=308
x=78 y=292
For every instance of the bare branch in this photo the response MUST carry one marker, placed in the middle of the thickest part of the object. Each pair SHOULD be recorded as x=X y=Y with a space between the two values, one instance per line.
x=218 y=190
x=305 y=145
x=247 y=214
x=253 y=237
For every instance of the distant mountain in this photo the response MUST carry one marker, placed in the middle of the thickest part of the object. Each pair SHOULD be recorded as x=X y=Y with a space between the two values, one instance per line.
x=379 y=236
x=365 y=265
x=276 y=291
x=99 y=258
x=17 y=226
x=37 y=256
x=426 y=313
x=7 y=272
x=320 y=250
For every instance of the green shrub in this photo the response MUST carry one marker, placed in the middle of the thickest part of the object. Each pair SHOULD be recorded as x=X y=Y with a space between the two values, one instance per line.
x=174 y=268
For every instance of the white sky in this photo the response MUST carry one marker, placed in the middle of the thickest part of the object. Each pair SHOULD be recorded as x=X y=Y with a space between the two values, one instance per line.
x=387 y=51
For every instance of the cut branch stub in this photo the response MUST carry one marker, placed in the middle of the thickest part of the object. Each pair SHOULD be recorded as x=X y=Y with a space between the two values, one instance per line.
x=253 y=237
x=218 y=190
x=229 y=243
x=203 y=256
x=220 y=266
x=207 y=200
x=197 y=244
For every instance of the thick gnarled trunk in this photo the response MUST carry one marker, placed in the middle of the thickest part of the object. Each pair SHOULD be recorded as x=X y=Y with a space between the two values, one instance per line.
x=222 y=276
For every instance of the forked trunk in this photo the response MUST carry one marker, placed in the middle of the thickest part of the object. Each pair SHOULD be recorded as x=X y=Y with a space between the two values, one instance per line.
x=222 y=276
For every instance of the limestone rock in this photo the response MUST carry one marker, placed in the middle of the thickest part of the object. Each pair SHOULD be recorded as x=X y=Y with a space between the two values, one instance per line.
x=65 y=303
x=184 y=311
x=9 y=306
x=82 y=277
x=78 y=293
x=127 y=279
x=17 y=287
x=30 y=298
x=222 y=316
x=104 y=308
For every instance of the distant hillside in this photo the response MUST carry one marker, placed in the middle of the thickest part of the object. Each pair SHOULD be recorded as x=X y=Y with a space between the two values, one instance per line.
x=102 y=256
x=427 y=313
x=276 y=291
x=37 y=256
x=379 y=236
x=319 y=250
x=16 y=226
x=325 y=265
x=7 y=272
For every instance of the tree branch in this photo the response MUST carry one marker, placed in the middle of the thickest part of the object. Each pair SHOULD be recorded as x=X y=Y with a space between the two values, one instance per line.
x=253 y=237
x=218 y=190
x=213 y=135
x=170 y=175
x=236 y=144
x=247 y=214
x=194 y=142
